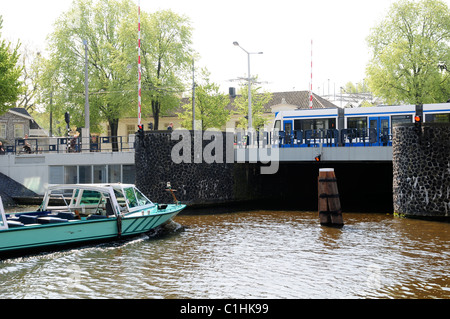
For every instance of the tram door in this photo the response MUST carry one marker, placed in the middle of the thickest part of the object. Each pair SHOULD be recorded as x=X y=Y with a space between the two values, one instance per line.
x=381 y=124
x=288 y=131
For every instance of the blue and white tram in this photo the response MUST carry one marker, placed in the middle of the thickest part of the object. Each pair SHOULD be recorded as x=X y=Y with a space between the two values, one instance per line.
x=350 y=126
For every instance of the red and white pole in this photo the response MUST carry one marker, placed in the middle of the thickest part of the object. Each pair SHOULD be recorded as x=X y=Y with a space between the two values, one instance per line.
x=139 y=63
x=310 y=91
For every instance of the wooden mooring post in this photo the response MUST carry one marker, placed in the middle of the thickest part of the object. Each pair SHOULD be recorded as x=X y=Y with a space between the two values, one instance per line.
x=330 y=213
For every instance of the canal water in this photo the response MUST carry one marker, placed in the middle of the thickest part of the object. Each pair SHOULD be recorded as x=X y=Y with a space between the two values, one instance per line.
x=258 y=254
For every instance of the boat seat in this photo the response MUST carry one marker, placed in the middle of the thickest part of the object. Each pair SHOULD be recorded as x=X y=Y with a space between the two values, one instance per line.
x=66 y=215
x=13 y=223
x=96 y=217
x=28 y=219
x=51 y=220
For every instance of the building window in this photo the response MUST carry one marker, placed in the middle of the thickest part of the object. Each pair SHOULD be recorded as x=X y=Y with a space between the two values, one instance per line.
x=114 y=173
x=128 y=174
x=59 y=174
x=131 y=129
x=56 y=175
x=100 y=174
x=85 y=174
x=3 y=130
x=19 y=130
x=70 y=175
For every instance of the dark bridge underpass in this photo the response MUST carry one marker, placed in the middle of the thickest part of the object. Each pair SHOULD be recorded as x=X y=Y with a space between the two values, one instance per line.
x=363 y=186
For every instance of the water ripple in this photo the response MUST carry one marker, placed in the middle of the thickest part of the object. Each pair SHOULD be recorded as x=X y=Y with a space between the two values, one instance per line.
x=248 y=255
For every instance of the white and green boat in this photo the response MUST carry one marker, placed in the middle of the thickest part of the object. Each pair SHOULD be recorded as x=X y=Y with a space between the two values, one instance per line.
x=72 y=214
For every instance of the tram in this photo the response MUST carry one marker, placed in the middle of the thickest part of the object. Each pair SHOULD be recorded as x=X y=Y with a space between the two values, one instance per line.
x=351 y=126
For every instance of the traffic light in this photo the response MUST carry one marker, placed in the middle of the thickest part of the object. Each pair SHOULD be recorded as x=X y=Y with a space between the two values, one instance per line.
x=418 y=118
x=317 y=158
x=419 y=113
x=67 y=118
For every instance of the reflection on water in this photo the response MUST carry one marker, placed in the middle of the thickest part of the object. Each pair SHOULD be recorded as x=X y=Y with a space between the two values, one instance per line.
x=249 y=255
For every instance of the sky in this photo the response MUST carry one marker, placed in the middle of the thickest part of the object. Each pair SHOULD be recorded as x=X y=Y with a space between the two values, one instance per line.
x=282 y=30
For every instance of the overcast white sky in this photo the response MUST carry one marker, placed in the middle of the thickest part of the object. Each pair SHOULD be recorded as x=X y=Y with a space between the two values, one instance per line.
x=282 y=29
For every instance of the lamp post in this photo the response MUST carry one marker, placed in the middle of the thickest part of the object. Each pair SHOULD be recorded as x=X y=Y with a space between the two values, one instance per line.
x=86 y=87
x=250 y=119
x=85 y=132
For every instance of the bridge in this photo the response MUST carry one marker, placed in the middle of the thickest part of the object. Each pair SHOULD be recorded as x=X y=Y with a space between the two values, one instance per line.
x=316 y=145
x=111 y=159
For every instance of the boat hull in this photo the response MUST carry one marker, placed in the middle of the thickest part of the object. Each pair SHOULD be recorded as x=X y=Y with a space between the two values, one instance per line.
x=81 y=231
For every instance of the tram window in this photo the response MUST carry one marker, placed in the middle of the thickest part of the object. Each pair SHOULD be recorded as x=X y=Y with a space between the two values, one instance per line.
x=308 y=124
x=438 y=118
x=357 y=122
x=277 y=125
x=314 y=124
x=320 y=124
x=397 y=119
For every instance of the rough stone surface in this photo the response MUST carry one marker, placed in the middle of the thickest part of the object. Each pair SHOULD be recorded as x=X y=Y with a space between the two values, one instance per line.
x=421 y=170
x=195 y=183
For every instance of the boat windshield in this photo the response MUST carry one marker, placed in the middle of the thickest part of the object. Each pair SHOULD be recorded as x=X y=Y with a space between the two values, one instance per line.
x=135 y=198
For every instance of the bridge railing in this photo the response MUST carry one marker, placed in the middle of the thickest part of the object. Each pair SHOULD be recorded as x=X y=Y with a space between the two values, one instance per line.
x=40 y=145
x=315 y=138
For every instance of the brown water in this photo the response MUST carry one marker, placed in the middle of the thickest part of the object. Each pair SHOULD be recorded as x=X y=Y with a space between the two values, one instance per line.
x=249 y=255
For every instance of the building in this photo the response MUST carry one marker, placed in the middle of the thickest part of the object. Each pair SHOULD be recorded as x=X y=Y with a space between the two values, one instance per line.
x=16 y=123
x=281 y=101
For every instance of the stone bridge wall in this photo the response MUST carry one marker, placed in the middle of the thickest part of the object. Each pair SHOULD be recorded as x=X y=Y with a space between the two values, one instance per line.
x=421 y=170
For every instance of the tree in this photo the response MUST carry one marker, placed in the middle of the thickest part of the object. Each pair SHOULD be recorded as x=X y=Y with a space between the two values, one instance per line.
x=102 y=26
x=210 y=106
x=29 y=62
x=259 y=101
x=166 y=60
x=360 y=87
x=10 y=85
x=407 y=47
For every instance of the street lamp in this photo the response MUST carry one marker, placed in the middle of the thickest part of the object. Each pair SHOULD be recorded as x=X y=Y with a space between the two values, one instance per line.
x=250 y=120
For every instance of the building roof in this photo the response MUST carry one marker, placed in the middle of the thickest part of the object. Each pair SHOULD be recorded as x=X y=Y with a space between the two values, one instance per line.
x=20 y=111
x=300 y=99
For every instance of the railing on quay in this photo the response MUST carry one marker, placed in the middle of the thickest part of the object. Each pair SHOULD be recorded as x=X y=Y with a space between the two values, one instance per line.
x=40 y=145
x=257 y=139
x=315 y=138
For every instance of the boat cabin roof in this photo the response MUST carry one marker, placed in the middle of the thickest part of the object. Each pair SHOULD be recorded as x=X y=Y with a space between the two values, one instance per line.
x=99 y=187
x=124 y=195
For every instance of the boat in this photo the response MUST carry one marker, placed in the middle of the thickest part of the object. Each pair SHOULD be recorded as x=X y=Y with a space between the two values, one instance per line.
x=80 y=213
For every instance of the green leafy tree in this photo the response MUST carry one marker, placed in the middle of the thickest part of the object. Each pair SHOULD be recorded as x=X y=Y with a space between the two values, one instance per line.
x=10 y=85
x=166 y=61
x=101 y=25
x=360 y=87
x=407 y=47
x=210 y=106
x=259 y=101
